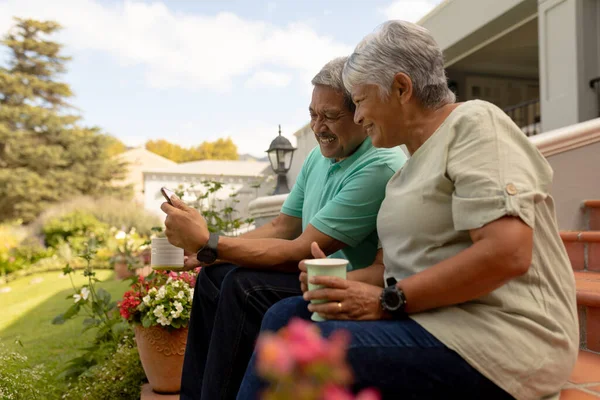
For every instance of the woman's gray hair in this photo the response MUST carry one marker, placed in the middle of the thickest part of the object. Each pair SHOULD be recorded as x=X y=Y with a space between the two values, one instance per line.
x=400 y=46
x=331 y=75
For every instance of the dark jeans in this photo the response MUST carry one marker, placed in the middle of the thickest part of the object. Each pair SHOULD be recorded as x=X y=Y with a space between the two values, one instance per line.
x=398 y=357
x=228 y=307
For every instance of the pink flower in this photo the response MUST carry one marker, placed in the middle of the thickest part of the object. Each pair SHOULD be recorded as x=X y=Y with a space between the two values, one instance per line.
x=368 y=394
x=305 y=343
x=333 y=392
x=273 y=357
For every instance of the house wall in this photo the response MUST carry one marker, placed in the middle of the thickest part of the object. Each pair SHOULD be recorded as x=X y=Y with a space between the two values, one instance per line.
x=569 y=32
x=305 y=142
x=576 y=178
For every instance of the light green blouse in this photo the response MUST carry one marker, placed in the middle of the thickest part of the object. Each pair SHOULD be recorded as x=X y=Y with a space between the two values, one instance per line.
x=478 y=167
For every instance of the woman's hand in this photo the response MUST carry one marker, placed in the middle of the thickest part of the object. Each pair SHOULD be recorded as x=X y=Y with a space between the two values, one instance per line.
x=348 y=300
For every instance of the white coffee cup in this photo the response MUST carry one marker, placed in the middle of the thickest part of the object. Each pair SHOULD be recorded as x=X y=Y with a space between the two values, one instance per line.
x=165 y=256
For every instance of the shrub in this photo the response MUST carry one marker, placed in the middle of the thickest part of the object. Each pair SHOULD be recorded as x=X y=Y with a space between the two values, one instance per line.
x=75 y=228
x=118 y=377
x=114 y=212
x=10 y=237
x=18 y=380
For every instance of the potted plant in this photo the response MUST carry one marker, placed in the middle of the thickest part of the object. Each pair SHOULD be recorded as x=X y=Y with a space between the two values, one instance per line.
x=126 y=259
x=159 y=307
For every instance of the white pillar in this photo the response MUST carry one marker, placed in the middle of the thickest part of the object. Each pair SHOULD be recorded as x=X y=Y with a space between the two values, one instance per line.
x=569 y=46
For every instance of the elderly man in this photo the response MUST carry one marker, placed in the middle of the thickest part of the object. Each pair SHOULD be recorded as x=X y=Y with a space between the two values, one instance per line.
x=334 y=203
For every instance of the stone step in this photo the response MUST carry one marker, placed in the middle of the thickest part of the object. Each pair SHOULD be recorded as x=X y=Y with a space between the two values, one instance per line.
x=593 y=214
x=584 y=382
x=583 y=248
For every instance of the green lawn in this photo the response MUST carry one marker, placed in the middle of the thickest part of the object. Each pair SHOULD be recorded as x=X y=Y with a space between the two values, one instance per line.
x=28 y=309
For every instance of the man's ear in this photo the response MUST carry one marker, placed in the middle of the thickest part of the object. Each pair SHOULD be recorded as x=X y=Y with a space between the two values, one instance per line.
x=402 y=87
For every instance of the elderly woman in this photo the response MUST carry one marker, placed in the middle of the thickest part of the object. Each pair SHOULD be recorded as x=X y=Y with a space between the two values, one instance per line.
x=480 y=297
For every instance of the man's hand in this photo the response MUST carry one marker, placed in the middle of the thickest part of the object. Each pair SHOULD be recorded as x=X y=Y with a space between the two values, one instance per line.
x=185 y=227
x=190 y=261
x=316 y=253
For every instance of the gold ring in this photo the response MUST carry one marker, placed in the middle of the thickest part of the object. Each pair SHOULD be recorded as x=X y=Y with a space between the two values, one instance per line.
x=340 y=305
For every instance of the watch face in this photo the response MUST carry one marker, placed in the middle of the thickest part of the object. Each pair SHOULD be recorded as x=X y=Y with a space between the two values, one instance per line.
x=206 y=256
x=392 y=299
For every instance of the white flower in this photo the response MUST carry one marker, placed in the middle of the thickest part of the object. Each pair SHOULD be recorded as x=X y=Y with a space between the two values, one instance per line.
x=161 y=293
x=85 y=293
x=152 y=291
x=120 y=235
x=159 y=311
x=176 y=284
x=178 y=306
x=180 y=295
x=146 y=300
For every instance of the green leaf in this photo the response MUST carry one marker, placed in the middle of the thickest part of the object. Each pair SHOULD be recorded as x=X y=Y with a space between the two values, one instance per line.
x=58 y=320
x=146 y=321
x=72 y=311
x=103 y=295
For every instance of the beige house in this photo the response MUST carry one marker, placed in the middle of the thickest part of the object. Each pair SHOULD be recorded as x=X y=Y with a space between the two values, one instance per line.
x=139 y=159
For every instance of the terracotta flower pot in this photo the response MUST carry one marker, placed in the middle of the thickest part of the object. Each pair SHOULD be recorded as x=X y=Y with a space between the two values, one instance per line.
x=161 y=352
x=121 y=270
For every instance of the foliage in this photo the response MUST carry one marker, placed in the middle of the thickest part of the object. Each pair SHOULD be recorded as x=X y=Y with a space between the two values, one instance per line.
x=19 y=380
x=115 y=146
x=118 y=213
x=28 y=306
x=101 y=312
x=10 y=237
x=74 y=228
x=220 y=214
x=45 y=155
x=301 y=365
x=160 y=299
x=220 y=149
x=118 y=377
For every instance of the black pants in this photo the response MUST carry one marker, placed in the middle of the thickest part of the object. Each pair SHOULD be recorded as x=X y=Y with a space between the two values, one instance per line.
x=228 y=307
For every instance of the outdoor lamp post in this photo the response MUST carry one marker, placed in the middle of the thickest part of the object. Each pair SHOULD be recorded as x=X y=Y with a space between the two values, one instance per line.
x=280 y=154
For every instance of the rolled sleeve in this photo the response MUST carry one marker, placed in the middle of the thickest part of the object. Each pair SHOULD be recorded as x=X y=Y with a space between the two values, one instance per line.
x=495 y=169
x=352 y=214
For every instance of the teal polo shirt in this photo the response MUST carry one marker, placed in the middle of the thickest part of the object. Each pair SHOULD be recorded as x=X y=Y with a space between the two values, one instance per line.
x=342 y=199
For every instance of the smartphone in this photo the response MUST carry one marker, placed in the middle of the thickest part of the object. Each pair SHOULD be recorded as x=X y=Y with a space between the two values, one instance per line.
x=167 y=194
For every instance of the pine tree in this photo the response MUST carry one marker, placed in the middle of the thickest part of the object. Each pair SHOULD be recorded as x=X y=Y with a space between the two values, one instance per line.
x=45 y=155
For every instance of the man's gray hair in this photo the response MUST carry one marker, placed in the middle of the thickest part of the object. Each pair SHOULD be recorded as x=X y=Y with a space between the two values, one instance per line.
x=331 y=75
x=400 y=46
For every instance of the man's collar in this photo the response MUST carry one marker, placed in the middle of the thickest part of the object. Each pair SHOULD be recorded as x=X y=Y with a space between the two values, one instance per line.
x=362 y=149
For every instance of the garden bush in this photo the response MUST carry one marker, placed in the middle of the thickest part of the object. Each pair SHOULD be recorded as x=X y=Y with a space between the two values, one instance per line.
x=10 y=237
x=121 y=214
x=75 y=228
x=120 y=376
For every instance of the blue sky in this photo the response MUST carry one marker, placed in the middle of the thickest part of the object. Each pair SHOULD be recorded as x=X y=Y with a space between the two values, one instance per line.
x=195 y=70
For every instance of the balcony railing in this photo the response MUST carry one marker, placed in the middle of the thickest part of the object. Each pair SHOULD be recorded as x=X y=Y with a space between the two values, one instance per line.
x=527 y=116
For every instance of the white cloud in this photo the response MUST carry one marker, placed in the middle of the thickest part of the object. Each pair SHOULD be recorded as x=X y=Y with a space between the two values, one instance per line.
x=177 y=50
x=409 y=10
x=264 y=78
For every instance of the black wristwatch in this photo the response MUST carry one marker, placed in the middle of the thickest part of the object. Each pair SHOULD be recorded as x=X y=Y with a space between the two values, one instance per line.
x=393 y=300
x=208 y=253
